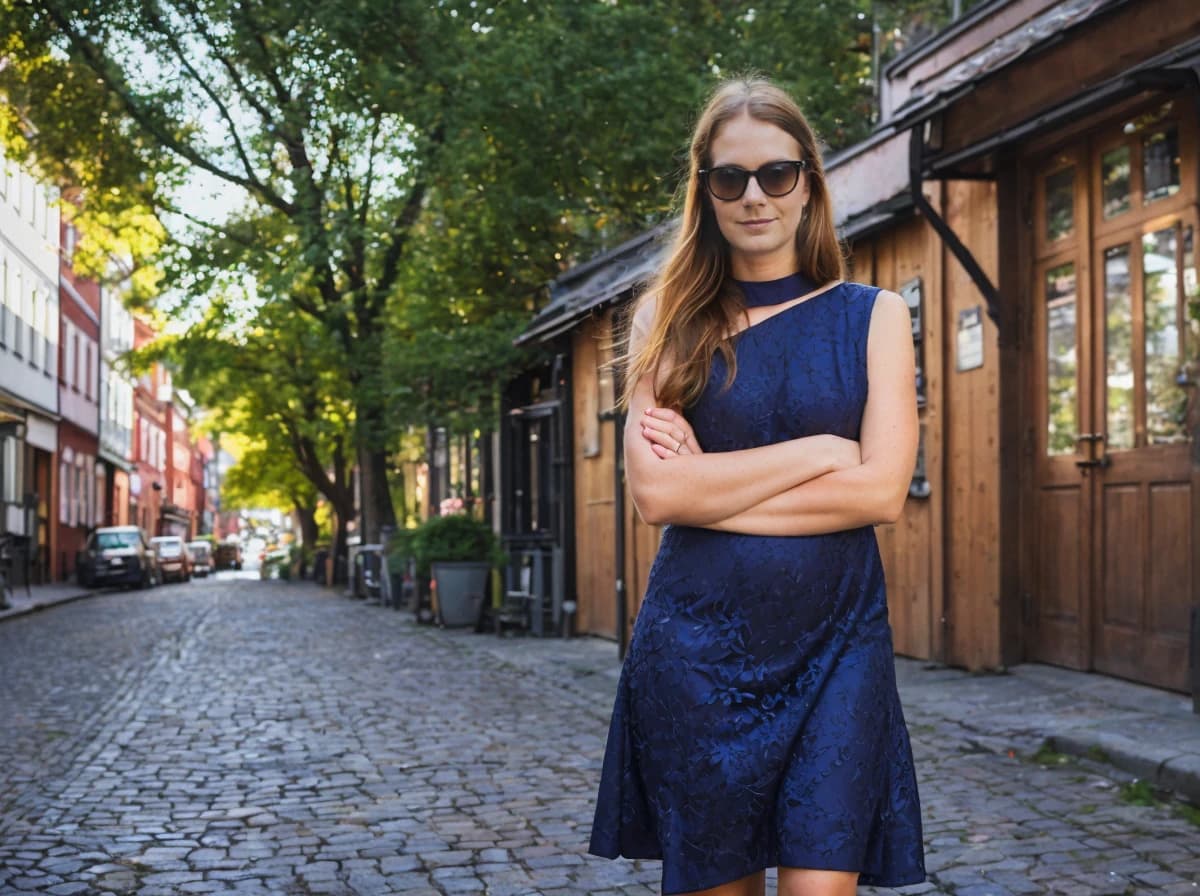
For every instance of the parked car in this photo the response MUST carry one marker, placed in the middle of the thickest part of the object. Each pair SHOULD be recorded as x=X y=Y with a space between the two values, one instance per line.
x=202 y=562
x=174 y=558
x=118 y=555
x=227 y=555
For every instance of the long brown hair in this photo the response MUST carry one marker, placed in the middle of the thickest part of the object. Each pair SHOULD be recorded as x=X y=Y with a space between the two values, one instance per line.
x=697 y=304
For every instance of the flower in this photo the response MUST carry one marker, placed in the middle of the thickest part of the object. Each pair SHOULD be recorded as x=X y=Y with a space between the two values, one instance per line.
x=451 y=505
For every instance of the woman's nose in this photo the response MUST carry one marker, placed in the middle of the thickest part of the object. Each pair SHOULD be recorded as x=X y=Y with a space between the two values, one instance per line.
x=753 y=192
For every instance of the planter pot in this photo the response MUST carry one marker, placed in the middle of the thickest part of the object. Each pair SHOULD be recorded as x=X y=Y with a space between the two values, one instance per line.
x=461 y=588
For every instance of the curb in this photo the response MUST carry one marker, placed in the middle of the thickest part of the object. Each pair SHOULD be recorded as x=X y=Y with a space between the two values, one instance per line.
x=1163 y=768
x=36 y=606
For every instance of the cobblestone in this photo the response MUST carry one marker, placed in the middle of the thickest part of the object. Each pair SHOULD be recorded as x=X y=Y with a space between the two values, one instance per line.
x=236 y=736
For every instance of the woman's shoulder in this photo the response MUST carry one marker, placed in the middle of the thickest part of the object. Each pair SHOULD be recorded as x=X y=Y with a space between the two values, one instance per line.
x=870 y=296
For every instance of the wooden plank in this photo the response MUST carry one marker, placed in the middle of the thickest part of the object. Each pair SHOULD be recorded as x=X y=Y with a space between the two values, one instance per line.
x=595 y=535
x=1099 y=50
x=972 y=449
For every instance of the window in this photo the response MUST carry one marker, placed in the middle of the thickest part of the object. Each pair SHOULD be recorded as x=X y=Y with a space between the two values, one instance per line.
x=4 y=298
x=10 y=470
x=19 y=300
x=1060 y=203
x=1061 y=380
x=68 y=362
x=88 y=369
x=64 y=486
x=98 y=518
x=50 y=315
x=35 y=355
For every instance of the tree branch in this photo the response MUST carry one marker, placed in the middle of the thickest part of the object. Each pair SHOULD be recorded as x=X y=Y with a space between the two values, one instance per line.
x=95 y=60
x=150 y=11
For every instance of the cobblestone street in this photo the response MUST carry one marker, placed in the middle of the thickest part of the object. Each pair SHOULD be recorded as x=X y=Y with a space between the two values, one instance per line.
x=232 y=735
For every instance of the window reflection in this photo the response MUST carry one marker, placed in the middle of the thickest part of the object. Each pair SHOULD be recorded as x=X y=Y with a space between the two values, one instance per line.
x=1118 y=348
x=1114 y=181
x=1062 y=422
x=1166 y=402
x=1160 y=164
x=1060 y=203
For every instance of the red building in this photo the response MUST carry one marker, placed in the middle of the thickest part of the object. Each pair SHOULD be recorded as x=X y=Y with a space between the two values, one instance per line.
x=80 y=478
x=204 y=479
x=150 y=460
x=177 y=514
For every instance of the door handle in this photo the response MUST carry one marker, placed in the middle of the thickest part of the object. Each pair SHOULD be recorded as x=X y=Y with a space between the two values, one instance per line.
x=1090 y=437
x=1102 y=462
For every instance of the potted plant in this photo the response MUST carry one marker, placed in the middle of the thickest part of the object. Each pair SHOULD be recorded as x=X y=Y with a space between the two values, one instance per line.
x=459 y=553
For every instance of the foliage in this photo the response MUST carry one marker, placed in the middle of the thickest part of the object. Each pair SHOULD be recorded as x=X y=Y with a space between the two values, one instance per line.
x=377 y=193
x=453 y=538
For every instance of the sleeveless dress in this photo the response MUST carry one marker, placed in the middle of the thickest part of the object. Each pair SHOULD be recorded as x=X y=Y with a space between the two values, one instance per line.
x=757 y=722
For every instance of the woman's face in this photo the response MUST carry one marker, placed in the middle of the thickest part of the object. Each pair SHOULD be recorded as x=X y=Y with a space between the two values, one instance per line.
x=760 y=229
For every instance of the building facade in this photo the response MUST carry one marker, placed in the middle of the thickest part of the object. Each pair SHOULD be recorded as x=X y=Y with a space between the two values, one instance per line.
x=80 y=479
x=116 y=409
x=1031 y=191
x=150 y=457
x=29 y=363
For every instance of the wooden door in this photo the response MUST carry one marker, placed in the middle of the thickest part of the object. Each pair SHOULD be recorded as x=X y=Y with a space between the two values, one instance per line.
x=1112 y=575
x=1143 y=563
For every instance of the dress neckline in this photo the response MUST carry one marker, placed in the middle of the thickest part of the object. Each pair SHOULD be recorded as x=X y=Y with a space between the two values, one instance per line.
x=783 y=311
x=761 y=293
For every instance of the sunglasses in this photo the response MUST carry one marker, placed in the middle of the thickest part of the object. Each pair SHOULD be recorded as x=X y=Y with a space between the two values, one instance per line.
x=729 y=182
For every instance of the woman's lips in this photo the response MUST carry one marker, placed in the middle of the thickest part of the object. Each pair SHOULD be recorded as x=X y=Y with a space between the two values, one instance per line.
x=756 y=223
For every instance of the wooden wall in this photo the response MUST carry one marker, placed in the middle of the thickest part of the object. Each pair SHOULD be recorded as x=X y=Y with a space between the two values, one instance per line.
x=911 y=548
x=596 y=444
x=942 y=557
x=595 y=505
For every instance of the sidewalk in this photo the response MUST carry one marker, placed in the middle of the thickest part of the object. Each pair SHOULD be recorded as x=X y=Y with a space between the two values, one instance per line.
x=38 y=597
x=1150 y=734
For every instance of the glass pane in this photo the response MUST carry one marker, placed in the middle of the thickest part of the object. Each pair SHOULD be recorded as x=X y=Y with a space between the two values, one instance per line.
x=1060 y=203
x=1160 y=164
x=1191 y=343
x=1118 y=348
x=1062 y=422
x=1166 y=401
x=1114 y=181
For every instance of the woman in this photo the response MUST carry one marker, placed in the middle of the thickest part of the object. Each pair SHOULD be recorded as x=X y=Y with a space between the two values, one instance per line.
x=757 y=722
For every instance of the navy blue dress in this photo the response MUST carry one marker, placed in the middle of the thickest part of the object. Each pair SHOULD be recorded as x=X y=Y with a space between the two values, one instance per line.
x=757 y=721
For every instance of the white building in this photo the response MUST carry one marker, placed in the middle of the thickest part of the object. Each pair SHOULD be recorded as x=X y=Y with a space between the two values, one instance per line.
x=116 y=405
x=29 y=326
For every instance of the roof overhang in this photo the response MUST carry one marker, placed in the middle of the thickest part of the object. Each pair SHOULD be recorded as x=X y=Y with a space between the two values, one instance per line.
x=596 y=284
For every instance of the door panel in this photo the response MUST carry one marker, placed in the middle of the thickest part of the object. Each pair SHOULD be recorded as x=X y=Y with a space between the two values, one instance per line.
x=1062 y=575
x=1112 y=376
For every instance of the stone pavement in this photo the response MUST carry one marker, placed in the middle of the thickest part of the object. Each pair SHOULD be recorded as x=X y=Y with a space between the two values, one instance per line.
x=22 y=600
x=237 y=736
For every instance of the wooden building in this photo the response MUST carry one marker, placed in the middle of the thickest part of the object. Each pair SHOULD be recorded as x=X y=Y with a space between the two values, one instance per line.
x=1031 y=190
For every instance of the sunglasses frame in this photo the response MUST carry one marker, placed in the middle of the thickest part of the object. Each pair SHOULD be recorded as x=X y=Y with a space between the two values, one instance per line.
x=799 y=164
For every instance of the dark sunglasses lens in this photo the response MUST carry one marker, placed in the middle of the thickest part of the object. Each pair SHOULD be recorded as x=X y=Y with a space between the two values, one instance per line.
x=778 y=180
x=727 y=183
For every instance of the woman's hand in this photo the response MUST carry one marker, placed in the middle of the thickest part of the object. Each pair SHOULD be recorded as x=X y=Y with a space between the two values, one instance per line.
x=669 y=433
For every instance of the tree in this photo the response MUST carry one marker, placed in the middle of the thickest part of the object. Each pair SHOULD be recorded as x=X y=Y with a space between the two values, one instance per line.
x=275 y=383
x=263 y=476
x=400 y=175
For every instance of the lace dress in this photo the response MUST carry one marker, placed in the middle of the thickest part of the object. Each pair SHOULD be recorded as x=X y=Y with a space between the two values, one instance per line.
x=757 y=721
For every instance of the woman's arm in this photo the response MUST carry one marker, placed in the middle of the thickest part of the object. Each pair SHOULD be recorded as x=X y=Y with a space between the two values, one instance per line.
x=699 y=489
x=874 y=491
x=702 y=489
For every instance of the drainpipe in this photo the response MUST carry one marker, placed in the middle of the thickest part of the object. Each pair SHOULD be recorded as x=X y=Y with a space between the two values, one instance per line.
x=916 y=180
